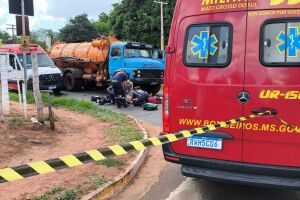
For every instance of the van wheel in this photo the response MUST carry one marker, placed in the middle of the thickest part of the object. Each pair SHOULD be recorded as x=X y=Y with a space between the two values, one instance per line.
x=71 y=83
x=56 y=91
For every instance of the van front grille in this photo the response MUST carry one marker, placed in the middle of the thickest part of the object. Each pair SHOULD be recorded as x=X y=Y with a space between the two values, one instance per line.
x=50 y=78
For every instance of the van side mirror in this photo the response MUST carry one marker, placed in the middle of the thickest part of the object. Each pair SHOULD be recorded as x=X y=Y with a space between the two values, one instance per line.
x=158 y=54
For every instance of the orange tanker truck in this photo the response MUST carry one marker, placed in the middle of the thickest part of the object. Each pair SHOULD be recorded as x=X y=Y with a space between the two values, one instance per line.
x=94 y=63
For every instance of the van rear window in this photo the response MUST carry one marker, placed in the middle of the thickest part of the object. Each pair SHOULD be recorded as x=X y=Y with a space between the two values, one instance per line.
x=280 y=43
x=208 y=45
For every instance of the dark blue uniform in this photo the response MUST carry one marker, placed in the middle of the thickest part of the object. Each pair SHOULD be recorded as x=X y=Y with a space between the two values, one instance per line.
x=117 y=84
x=120 y=76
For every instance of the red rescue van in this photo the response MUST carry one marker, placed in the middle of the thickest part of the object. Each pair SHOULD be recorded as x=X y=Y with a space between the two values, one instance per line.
x=226 y=59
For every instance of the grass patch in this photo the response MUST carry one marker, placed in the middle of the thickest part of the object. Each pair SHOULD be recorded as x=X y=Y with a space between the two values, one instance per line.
x=123 y=130
x=54 y=191
x=59 y=193
x=50 y=193
x=110 y=163
x=125 y=133
x=67 y=195
x=97 y=180
x=16 y=121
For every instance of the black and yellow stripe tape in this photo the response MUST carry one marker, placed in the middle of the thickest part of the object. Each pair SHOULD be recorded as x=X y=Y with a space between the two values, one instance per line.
x=43 y=167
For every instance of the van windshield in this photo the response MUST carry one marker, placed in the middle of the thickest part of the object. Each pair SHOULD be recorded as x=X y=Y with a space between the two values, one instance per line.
x=133 y=53
x=43 y=60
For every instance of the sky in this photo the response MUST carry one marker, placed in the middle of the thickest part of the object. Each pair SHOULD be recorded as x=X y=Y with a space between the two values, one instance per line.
x=53 y=14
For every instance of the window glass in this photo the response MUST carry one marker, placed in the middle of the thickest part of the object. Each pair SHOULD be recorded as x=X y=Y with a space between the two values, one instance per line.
x=134 y=52
x=12 y=61
x=43 y=60
x=116 y=52
x=271 y=52
x=208 y=45
x=281 y=43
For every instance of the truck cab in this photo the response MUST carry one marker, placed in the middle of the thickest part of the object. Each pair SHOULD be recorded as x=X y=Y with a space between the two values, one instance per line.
x=49 y=75
x=136 y=60
x=227 y=59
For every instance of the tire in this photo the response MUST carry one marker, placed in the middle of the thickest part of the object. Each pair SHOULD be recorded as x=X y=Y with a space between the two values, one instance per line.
x=103 y=87
x=71 y=83
x=152 y=89
x=56 y=91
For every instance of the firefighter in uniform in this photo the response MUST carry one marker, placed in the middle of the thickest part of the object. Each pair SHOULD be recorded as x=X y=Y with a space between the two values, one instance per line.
x=118 y=80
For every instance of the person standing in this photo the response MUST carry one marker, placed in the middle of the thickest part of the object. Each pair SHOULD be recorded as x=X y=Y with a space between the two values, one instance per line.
x=118 y=81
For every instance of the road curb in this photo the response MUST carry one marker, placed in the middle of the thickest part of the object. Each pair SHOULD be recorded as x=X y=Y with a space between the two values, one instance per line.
x=112 y=188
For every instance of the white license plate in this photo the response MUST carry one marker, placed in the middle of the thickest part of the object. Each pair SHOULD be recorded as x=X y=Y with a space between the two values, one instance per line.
x=154 y=83
x=52 y=87
x=205 y=142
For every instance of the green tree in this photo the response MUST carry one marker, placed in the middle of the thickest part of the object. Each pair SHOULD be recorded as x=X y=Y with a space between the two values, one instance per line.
x=137 y=20
x=34 y=40
x=102 y=25
x=40 y=36
x=5 y=37
x=78 y=29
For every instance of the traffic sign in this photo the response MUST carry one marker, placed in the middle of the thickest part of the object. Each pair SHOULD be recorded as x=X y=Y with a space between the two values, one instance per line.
x=19 y=25
x=25 y=41
x=15 y=7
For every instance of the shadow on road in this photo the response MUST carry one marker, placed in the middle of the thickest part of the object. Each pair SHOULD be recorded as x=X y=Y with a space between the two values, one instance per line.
x=214 y=190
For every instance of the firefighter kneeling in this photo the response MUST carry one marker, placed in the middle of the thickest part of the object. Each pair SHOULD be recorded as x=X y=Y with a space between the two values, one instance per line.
x=118 y=81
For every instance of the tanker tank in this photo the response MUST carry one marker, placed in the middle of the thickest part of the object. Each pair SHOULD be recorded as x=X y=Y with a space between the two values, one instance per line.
x=89 y=57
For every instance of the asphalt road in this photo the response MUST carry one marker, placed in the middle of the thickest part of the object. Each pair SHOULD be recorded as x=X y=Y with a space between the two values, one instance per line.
x=151 y=117
x=191 y=189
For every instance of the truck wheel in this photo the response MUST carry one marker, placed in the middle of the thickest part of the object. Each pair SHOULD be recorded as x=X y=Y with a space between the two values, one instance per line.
x=103 y=87
x=152 y=89
x=71 y=83
x=155 y=89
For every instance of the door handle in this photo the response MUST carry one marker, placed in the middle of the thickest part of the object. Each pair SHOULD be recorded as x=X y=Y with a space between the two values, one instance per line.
x=222 y=135
x=263 y=110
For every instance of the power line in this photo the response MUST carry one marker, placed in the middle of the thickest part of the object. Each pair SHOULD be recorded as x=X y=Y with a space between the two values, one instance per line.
x=12 y=27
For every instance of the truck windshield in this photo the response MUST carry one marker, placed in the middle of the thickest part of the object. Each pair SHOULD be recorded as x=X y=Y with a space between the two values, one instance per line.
x=43 y=60
x=133 y=53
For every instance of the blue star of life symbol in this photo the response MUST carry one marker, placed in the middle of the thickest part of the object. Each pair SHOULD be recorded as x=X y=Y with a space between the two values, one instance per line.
x=204 y=44
x=289 y=42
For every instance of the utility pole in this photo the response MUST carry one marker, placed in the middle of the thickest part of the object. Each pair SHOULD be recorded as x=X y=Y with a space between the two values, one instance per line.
x=12 y=27
x=24 y=52
x=24 y=60
x=162 y=39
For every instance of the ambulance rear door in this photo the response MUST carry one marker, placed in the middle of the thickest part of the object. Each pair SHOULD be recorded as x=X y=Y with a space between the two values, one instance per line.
x=205 y=78
x=272 y=80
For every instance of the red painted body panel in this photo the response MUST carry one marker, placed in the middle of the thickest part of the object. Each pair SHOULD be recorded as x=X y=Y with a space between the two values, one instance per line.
x=214 y=90
x=17 y=49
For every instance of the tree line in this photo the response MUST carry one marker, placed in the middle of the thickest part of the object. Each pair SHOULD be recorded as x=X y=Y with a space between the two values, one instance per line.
x=129 y=20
